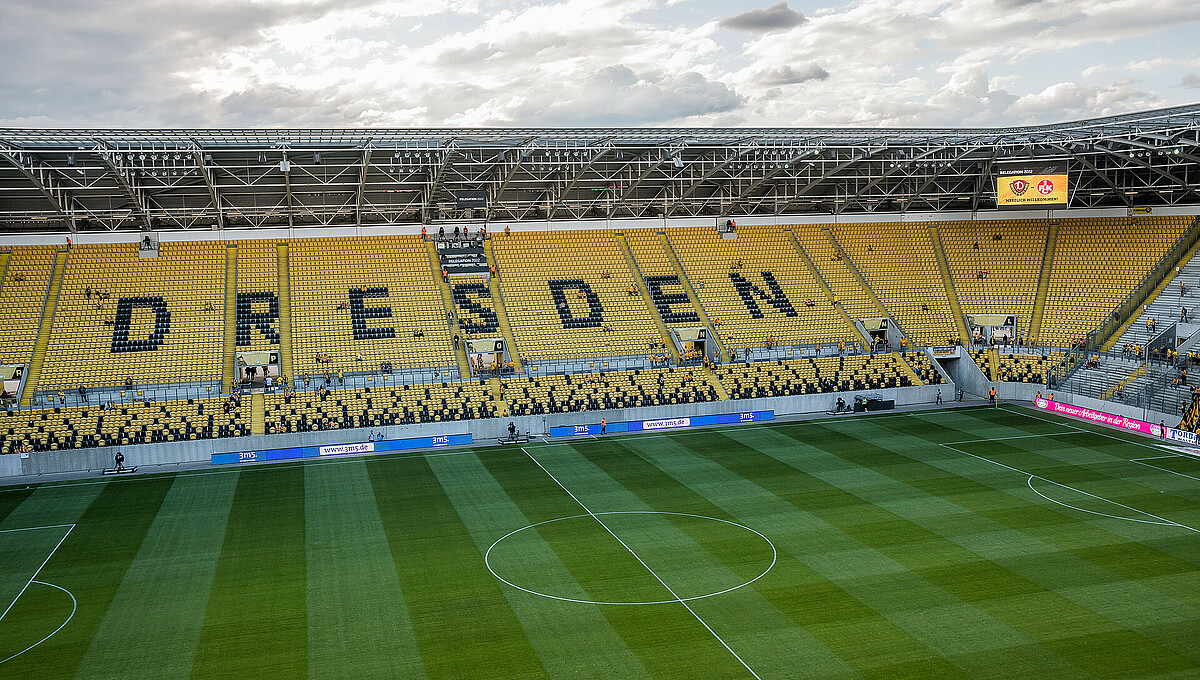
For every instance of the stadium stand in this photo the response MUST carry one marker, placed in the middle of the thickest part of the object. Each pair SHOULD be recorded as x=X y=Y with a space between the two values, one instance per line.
x=366 y=296
x=67 y=427
x=922 y=367
x=617 y=389
x=384 y=404
x=898 y=262
x=374 y=297
x=1097 y=263
x=21 y=300
x=756 y=287
x=813 y=375
x=151 y=321
x=663 y=283
x=835 y=271
x=996 y=265
x=571 y=295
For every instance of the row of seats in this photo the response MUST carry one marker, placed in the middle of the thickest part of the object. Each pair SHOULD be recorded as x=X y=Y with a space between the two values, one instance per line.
x=377 y=407
x=22 y=298
x=813 y=376
x=51 y=429
x=598 y=391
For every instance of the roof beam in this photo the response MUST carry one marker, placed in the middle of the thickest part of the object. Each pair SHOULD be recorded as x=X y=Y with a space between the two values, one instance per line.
x=891 y=171
x=820 y=180
x=1096 y=171
x=938 y=171
x=210 y=184
x=362 y=183
x=769 y=177
x=983 y=179
x=44 y=187
x=105 y=153
x=562 y=195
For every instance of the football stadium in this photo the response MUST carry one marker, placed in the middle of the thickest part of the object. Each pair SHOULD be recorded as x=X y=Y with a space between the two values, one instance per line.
x=601 y=402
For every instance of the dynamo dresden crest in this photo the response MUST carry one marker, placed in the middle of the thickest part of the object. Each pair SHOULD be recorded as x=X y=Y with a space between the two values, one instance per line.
x=1019 y=186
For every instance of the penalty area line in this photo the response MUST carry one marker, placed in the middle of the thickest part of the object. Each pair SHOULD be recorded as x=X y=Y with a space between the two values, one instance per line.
x=39 y=570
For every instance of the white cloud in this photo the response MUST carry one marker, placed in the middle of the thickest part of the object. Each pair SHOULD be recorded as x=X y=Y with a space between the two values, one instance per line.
x=582 y=62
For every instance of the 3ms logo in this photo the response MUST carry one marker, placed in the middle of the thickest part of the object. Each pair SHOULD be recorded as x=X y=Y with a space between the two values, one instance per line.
x=441 y=441
x=247 y=456
x=582 y=429
x=747 y=417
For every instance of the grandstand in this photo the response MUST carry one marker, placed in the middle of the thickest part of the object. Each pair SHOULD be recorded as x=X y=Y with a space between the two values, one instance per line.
x=368 y=332
x=448 y=513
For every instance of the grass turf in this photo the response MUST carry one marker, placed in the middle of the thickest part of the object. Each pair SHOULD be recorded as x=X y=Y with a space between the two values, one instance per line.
x=966 y=543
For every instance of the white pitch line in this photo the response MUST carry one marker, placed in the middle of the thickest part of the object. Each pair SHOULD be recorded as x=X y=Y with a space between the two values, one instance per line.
x=39 y=569
x=1139 y=462
x=74 y=607
x=1067 y=486
x=48 y=526
x=652 y=572
x=1166 y=523
x=1173 y=455
x=1152 y=447
x=1000 y=439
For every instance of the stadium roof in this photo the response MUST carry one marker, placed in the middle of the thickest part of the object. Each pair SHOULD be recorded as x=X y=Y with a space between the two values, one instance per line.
x=95 y=179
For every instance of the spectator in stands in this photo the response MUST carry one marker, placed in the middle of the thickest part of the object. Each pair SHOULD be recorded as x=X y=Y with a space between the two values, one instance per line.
x=1182 y=288
x=108 y=321
x=808 y=302
x=1183 y=314
x=457 y=233
x=424 y=234
x=976 y=245
x=441 y=233
x=83 y=394
x=18 y=278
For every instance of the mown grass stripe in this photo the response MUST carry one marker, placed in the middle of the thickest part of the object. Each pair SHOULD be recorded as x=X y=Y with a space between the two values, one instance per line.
x=152 y=627
x=814 y=593
x=358 y=624
x=573 y=640
x=91 y=564
x=463 y=624
x=697 y=555
x=256 y=623
x=10 y=499
x=1087 y=622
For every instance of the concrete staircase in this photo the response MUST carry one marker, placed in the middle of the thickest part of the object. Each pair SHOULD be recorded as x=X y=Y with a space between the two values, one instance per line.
x=948 y=281
x=501 y=312
x=460 y=352
x=1043 y=290
x=230 y=347
x=908 y=370
x=47 y=323
x=716 y=384
x=651 y=308
x=258 y=413
x=285 y=311
x=691 y=293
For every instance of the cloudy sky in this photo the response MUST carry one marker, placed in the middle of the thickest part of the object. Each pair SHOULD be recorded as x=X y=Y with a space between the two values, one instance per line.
x=310 y=63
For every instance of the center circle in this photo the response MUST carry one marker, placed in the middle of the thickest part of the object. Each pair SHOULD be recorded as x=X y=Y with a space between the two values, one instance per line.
x=650 y=556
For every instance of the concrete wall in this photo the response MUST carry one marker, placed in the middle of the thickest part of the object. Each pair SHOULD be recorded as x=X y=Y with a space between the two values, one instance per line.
x=161 y=457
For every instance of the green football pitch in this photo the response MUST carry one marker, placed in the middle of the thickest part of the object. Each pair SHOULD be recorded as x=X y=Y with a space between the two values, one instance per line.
x=938 y=544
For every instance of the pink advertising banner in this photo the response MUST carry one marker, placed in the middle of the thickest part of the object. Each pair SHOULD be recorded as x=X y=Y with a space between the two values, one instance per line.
x=1109 y=419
